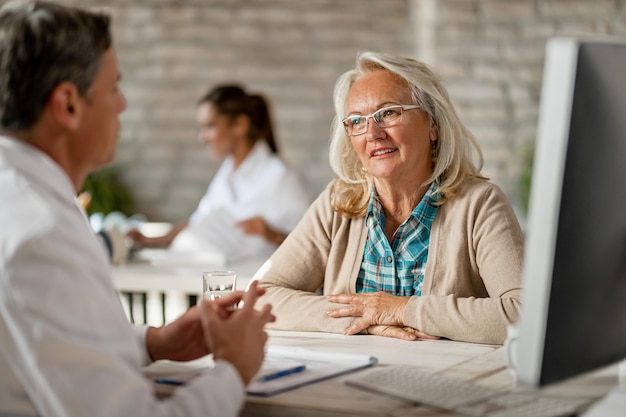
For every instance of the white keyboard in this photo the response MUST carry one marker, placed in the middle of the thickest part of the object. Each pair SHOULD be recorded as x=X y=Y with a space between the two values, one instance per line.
x=462 y=397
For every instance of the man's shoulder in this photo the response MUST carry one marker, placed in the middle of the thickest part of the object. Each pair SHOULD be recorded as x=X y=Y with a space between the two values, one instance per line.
x=24 y=212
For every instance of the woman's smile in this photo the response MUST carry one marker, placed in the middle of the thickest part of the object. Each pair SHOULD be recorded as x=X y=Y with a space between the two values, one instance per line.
x=382 y=152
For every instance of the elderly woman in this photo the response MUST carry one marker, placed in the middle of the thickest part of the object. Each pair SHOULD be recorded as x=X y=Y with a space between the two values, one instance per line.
x=410 y=240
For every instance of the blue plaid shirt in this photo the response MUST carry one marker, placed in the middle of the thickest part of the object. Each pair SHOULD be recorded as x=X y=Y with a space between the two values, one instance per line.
x=397 y=267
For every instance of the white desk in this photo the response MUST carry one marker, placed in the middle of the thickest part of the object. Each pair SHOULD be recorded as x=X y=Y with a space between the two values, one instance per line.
x=484 y=364
x=174 y=281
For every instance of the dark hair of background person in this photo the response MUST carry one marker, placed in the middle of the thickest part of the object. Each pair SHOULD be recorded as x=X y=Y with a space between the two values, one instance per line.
x=233 y=101
x=44 y=42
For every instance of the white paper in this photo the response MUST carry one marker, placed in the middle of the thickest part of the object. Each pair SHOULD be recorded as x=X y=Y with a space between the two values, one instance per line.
x=319 y=364
x=217 y=231
x=173 y=257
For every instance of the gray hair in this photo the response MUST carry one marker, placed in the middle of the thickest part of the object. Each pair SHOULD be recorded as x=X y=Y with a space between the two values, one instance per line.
x=459 y=154
x=43 y=44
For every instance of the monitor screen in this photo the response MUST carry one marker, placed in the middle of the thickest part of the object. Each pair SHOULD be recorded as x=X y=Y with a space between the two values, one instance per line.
x=573 y=317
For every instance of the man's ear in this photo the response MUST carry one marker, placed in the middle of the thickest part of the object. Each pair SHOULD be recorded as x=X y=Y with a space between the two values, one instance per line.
x=66 y=105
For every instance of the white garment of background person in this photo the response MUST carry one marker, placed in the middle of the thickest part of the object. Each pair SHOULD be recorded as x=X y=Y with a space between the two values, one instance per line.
x=64 y=338
x=261 y=186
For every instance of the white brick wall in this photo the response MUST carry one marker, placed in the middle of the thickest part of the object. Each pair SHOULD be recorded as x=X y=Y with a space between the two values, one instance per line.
x=171 y=52
x=489 y=53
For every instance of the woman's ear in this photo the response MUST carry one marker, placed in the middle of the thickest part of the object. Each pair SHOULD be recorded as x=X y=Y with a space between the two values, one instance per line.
x=66 y=105
x=434 y=133
x=241 y=125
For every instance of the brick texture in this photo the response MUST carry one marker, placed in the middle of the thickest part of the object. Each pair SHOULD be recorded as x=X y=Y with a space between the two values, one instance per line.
x=488 y=52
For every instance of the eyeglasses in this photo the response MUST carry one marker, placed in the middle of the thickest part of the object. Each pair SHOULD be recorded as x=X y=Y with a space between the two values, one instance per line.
x=356 y=124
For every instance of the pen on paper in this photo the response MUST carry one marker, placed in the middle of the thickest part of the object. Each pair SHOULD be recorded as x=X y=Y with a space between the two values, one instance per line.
x=264 y=378
x=282 y=373
x=180 y=378
x=168 y=381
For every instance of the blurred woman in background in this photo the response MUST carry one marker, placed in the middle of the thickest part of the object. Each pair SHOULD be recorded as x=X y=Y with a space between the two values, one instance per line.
x=254 y=200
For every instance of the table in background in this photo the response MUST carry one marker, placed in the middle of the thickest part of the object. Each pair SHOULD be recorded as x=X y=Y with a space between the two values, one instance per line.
x=166 y=286
x=482 y=364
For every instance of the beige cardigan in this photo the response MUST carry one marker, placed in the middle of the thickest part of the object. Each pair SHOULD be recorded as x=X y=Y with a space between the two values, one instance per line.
x=472 y=284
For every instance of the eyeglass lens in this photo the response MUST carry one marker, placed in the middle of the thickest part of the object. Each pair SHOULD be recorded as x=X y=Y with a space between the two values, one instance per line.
x=384 y=117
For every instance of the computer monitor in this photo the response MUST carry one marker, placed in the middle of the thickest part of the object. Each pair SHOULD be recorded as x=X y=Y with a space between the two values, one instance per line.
x=573 y=316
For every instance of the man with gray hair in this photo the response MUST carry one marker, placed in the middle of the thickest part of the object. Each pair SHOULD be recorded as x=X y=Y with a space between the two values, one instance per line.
x=66 y=346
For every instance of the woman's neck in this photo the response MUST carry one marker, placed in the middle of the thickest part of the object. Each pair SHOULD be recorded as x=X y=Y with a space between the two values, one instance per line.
x=241 y=152
x=399 y=201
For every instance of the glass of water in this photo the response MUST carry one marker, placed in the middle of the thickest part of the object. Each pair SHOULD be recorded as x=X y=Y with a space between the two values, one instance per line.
x=216 y=284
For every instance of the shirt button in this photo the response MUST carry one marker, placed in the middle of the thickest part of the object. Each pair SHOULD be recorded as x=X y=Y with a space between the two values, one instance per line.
x=389 y=259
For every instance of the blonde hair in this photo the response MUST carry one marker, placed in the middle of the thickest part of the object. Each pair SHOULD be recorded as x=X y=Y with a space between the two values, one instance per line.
x=459 y=155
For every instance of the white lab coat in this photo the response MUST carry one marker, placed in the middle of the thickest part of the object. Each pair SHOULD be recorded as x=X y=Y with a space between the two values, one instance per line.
x=66 y=346
x=261 y=186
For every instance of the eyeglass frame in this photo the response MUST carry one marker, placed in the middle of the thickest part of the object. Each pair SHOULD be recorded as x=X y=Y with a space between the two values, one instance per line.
x=404 y=107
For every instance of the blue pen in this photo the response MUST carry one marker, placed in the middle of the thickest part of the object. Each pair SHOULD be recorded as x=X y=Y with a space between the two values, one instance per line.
x=168 y=381
x=180 y=378
x=282 y=373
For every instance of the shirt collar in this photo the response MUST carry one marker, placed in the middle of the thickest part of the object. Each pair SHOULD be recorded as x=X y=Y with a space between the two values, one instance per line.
x=35 y=164
x=259 y=154
x=423 y=212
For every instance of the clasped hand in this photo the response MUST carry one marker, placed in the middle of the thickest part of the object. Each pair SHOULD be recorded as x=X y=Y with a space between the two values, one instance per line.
x=233 y=335
x=379 y=313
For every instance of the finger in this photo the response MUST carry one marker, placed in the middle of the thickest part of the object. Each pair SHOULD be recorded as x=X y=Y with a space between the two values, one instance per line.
x=341 y=298
x=202 y=304
x=215 y=308
x=392 y=331
x=357 y=327
x=206 y=312
x=259 y=291
x=347 y=311
x=211 y=325
x=223 y=311
x=233 y=297
x=212 y=310
x=399 y=333
x=192 y=315
x=427 y=336
x=266 y=315
x=250 y=296
x=208 y=307
x=419 y=334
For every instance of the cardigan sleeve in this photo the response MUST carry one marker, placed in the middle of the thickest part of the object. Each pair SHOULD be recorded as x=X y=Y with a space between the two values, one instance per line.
x=474 y=283
x=294 y=275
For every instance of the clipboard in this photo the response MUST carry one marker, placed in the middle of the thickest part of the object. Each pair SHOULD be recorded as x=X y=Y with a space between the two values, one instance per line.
x=318 y=366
